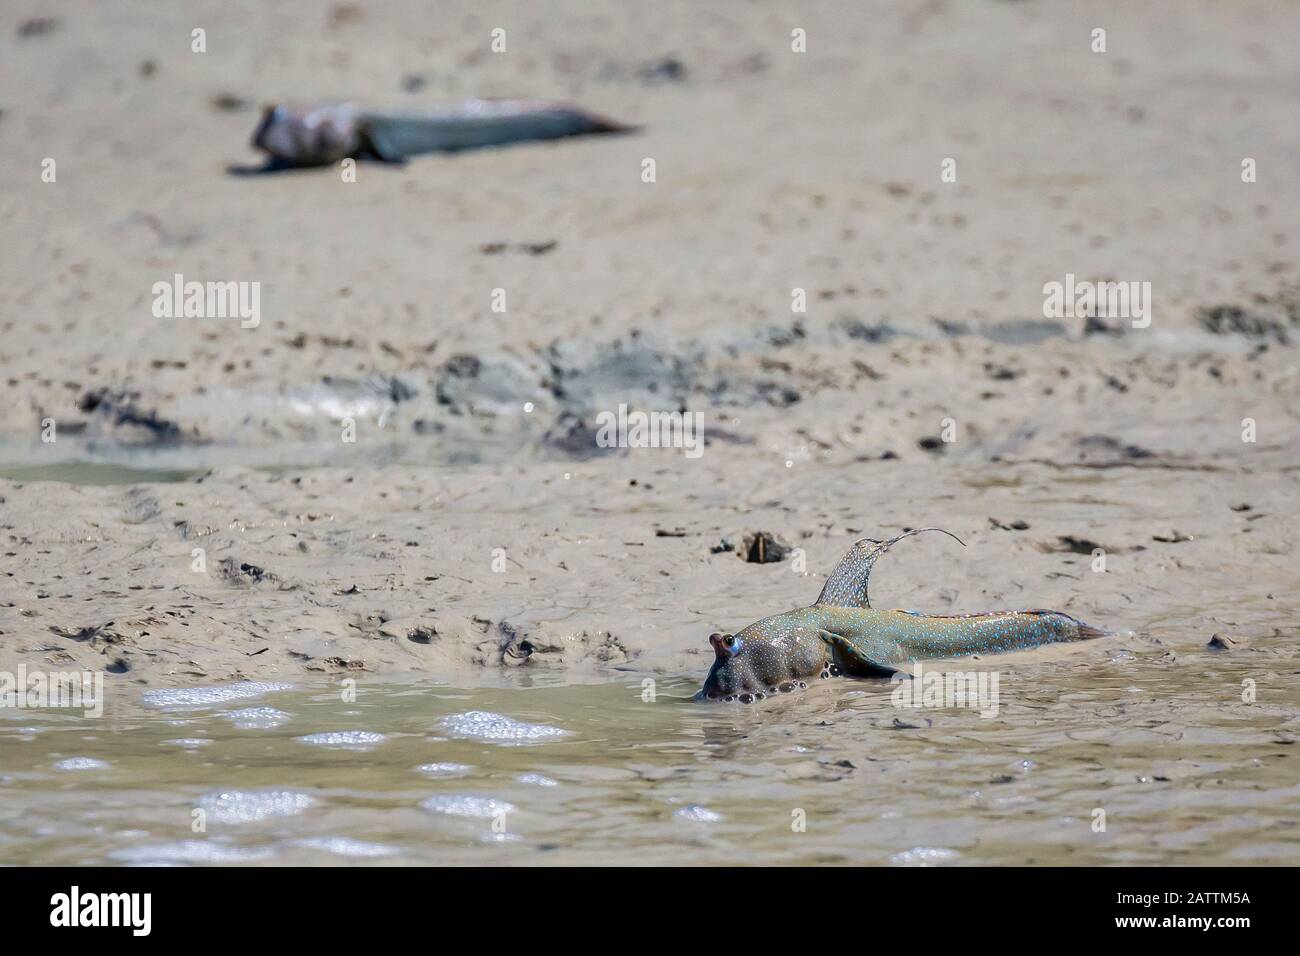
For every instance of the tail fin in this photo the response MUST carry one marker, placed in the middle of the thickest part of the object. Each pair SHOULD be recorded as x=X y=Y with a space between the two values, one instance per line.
x=1086 y=631
x=600 y=124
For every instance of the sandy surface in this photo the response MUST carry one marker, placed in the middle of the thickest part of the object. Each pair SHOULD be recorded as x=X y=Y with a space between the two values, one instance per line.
x=474 y=429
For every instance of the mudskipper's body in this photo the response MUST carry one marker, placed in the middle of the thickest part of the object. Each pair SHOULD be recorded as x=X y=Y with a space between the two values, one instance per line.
x=843 y=634
x=326 y=134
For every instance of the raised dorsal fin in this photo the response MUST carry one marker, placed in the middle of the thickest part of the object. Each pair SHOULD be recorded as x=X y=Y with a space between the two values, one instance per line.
x=847 y=585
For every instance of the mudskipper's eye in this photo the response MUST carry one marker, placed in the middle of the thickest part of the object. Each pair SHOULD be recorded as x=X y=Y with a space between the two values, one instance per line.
x=729 y=640
x=733 y=644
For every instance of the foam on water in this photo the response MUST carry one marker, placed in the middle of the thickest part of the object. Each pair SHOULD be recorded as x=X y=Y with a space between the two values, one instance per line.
x=189 y=743
x=924 y=856
x=697 y=814
x=536 y=780
x=189 y=851
x=344 y=739
x=257 y=718
x=346 y=846
x=466 y=805
x=81 y=763
x=498 y=729
x=444 y=769
x=248 y=806
x=191 y=698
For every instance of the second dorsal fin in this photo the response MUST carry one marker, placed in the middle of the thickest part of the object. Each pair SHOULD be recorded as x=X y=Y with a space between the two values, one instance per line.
x=847 y=585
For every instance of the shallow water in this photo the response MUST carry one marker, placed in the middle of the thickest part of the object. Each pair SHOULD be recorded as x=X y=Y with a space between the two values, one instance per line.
x=78 y=472
x=539 y=772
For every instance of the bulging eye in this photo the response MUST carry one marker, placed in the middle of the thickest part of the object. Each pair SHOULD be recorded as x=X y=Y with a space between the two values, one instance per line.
x=729 y=640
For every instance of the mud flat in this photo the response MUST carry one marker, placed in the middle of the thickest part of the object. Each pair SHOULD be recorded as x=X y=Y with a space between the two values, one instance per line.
x=204 y=516
x=844 y=266
x=616 y=563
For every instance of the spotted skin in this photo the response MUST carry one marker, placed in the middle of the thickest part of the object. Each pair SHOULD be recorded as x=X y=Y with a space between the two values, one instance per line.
x=843 y=634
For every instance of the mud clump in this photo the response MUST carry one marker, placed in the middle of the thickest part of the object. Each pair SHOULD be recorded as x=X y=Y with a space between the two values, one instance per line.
x=1073 y=545
x=1251 y=323
x=1221 y=642
x=116 y=414
x=1104 y=448
x=762 y=547
x=241 y=573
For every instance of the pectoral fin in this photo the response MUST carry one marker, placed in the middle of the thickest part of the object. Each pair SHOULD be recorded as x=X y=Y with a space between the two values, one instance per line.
x=860 y=661
x=847 y=585
x=375 y=143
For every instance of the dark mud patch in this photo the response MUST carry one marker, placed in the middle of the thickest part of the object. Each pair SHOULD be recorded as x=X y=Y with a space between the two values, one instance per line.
x=38 y=27
x=116 y=415
x=1275 y=319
